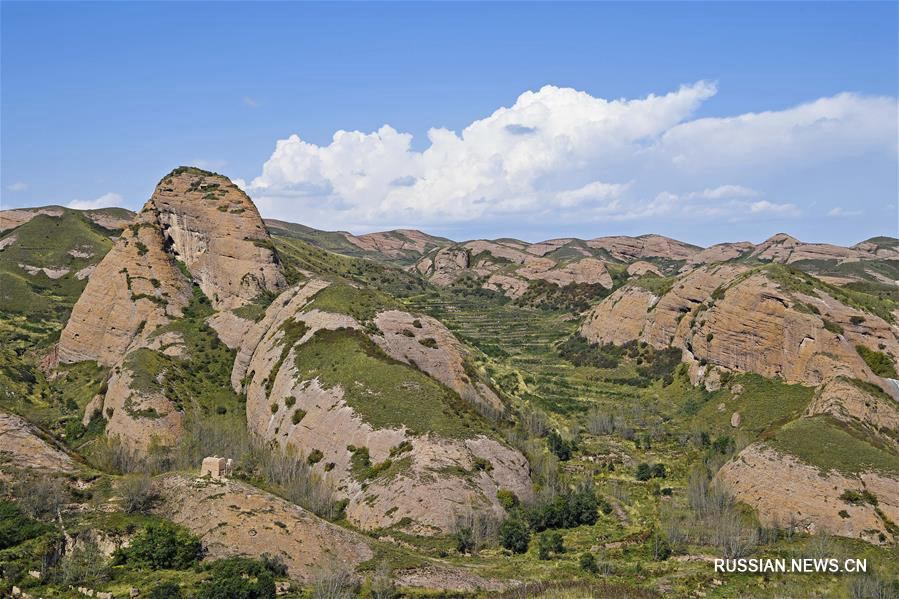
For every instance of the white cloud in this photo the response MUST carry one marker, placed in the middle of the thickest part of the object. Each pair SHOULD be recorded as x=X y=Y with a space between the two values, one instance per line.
x=564 y=154
x=838 y=211
x=252 y=103
x=17 y=186
x=106 y=200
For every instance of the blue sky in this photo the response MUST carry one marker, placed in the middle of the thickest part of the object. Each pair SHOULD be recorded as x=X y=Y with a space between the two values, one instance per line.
x=703 y=121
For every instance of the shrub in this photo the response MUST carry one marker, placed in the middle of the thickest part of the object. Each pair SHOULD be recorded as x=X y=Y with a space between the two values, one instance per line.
x=166 y=590
x=237 y=578
x=84 y=565
x=298 y=415
x=566 y=510
x=645 y=471
x=137 y=493
x=559 y=446
x=587 y=563
x=514 y=535
x=600 y=423
x=41 y=497
x=429 y=342
x=315 y=456
x=832 y=327
x=289 y=401
x=507 y=499
x=161 y=546
x=549 y=543
x=879 y=363
x=16 y=527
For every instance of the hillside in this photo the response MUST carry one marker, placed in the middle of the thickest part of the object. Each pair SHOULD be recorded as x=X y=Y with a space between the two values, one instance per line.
x=410 y=416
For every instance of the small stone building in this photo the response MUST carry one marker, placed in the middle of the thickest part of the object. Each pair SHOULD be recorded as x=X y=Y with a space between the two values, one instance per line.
x=216 y=468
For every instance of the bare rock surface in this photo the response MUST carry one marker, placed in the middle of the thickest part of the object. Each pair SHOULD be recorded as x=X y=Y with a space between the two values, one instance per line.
x=784 y=490
x=848 y=402
x=233 y=518
x=22 y=447
x=442 y=357
x=746 y=322
x=135 y=289
x=214 y=228
x=629 y=249
x=434 y=479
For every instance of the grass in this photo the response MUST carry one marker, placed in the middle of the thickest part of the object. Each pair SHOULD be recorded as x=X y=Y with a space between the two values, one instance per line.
x=764 y=404
x=361 y=304
x=45 y=242
x=828 y=445
x=384 y=392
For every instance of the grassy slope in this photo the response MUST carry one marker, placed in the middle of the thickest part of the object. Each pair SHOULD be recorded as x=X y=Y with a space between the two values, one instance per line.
x=45 y=242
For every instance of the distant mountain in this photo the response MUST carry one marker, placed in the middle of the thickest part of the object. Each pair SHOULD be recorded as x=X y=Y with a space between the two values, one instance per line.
x=399 y=246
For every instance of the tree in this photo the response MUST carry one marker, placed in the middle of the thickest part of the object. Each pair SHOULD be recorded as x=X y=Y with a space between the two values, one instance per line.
x=166 y=590
x=161 y=546
x=237 y=578
x=588 y=562
x=514 y=535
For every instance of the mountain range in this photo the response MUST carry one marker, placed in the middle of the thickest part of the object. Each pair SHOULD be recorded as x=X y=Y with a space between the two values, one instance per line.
x=486 y=417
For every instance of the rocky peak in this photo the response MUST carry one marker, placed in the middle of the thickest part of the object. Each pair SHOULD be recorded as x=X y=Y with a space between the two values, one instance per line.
x=213 y=227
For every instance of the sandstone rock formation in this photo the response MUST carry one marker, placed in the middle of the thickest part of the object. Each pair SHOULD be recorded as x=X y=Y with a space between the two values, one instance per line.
x=233 y=518
x=508 y=266
x=744 y=320
x=786 y=491
x=629 y=249
x=136 y=288
x=197 y=227
x=865 y=408
x=434 y=478
x=211 y=226
x=22 y=447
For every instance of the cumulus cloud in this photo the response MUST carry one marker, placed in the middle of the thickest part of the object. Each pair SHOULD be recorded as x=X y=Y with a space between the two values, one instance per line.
x=107 y=200
x=562 y=153
x=17 y=186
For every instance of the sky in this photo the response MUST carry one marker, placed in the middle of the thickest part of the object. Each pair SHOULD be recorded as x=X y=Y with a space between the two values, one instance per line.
x=704 y=121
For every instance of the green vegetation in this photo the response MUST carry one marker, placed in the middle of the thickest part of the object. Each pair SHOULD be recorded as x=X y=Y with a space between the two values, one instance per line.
x=828 y=445
x=879 y=363
x=161 y=547
x=377 y=387
x=572 y=298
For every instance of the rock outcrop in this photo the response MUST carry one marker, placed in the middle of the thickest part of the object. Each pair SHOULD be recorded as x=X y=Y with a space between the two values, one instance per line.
x=22 y=447
x=864 y=407
x=136 y=288
x=197 y=228
x=629 y=249
x=509 y=266
x=786 y=491
x=213 y=227
x=233 y=518
x=746 y=321
x=428 y=479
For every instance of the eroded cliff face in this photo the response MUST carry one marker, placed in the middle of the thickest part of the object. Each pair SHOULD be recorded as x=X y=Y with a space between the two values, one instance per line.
x=859 y=406
x=744 y=320
x=418 y=479
x=136 y=288
x=510 y=266
x=213 y=227
x=197 y=229
x=786 y=491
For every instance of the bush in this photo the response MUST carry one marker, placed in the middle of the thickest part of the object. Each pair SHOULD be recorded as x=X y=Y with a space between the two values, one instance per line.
x=84 y=565
x=514 y=535
x=879 y=363
x=315 y=457
x=549 y=543
x=138 y=493
x=16 y=527
x=566 y=510
x=588 y=563
x=166 y=590
x=41 y=497
x=646 y=472
x=161 y=546
x=237 y=578
x=507 y=499
x=559 y=446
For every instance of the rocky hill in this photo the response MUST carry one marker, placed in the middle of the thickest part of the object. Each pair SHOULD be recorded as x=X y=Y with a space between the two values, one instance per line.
x=405 y=411
x=400 y=246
